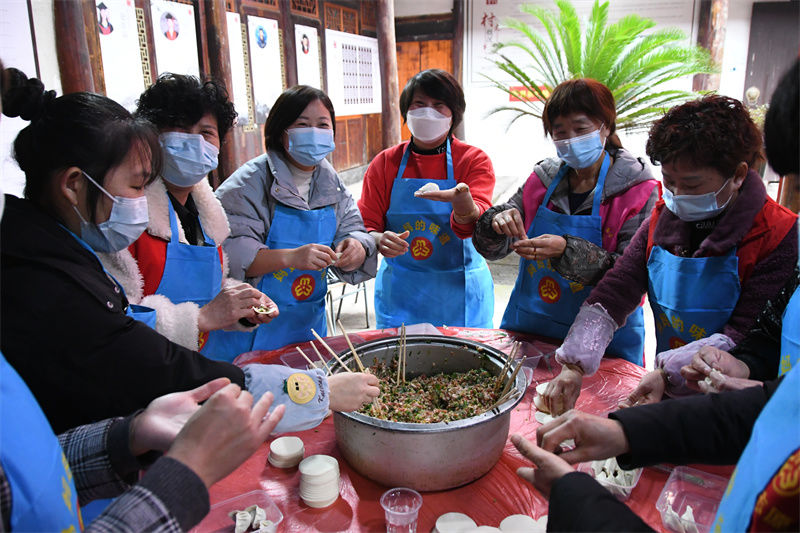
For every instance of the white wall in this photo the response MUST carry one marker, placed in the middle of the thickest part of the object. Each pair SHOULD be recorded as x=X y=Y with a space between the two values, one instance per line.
x=514 y=152
x=416 y=8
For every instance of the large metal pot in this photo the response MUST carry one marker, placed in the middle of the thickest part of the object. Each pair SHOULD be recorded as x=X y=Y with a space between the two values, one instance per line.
x=427 y=457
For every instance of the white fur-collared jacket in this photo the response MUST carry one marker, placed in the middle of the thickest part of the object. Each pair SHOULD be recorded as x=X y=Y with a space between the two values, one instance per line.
x=177 y=322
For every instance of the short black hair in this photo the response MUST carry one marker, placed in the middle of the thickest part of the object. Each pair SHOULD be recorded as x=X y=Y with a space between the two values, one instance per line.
x=781 y=125
x=179 y=101
x=84 y=130
x=290 y=105
x=438 y=84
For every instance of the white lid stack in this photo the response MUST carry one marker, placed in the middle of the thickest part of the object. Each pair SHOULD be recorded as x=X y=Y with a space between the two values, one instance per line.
x=319 y=480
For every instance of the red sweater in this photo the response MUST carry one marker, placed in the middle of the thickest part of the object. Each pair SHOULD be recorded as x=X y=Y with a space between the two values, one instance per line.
x=470 y=165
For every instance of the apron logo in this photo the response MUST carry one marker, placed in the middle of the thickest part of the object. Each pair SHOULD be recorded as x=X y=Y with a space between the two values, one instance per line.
x=303 y=287
x=421 y=248
x=549 y=291
x=202 y=338
x=676 y=342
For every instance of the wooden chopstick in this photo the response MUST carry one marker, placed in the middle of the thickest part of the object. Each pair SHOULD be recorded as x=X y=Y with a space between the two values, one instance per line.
x=405 y=353
x=356 y=358
x=324 y=362
x=325 y=344
x=310 y=362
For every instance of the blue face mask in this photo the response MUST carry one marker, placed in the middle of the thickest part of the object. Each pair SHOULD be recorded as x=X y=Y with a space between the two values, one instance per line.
x=309 y=146
x=126 y=223
x=694 y=207
x=582 y=151
x=188 y=158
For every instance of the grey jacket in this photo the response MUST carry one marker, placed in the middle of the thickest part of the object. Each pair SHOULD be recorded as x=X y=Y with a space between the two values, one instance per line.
x=250 y=195
x=582 y=261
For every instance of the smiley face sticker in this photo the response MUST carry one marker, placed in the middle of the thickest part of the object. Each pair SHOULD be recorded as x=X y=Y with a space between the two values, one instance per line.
x=300 y=388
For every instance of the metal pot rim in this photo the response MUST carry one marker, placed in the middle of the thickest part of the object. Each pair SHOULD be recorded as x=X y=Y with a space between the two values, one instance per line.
x=439 y=427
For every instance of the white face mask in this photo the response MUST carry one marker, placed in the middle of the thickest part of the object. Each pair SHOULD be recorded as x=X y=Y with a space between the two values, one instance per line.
x=126 y=223
x=188 y=158
x=695 y=207
x=426 y=124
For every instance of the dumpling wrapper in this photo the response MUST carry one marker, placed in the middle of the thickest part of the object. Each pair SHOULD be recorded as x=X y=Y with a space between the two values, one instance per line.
x=543 y=418
x=428 y=187
x=454 y=523
x=538 y=402
x=518 y=522
x=243 y=521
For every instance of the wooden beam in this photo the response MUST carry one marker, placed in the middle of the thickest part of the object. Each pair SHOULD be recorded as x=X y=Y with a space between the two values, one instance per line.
x=219 y=60
x=387 y=54
x=713 y=21
x=458 y=53
x=75 y=61
x=289 y=52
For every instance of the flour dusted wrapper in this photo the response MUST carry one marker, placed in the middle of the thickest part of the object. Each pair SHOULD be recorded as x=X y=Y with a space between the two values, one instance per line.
x=428 y=187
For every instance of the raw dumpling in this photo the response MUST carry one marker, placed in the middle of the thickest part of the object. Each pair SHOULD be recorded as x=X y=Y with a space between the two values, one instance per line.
x=687 y=520
x=243 y=521
x=428 y=187
x=258 y=514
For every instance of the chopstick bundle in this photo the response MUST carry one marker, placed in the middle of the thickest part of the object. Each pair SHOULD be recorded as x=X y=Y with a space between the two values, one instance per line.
x=325 y=344
x=513 y=377
x=356 y=358
x=502 y=375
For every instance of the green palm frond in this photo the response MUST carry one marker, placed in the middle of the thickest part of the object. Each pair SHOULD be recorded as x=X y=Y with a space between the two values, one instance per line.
x=631 y=57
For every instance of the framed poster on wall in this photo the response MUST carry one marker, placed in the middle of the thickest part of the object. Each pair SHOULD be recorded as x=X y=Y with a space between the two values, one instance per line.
x=306 y=40
x=119 y=46
x=353 y=73
x=175 y=37
x=238 y=74
x=265 y=64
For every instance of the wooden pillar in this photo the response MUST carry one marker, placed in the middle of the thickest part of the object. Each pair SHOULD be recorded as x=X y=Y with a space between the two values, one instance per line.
x=78 y=50
x=713 y=20
x=387 y=54
x=789 y=195
x=458 y=53
x=219 y=60
x=289 y=51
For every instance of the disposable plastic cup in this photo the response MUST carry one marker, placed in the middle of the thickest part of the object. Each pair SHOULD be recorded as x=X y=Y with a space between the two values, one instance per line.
x=401 y=507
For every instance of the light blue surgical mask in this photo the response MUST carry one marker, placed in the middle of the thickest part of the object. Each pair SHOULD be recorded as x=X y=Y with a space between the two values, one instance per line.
x=188 y=158
x=309 y=146
x=581 y=151
x=126 y=223
x=694 y=207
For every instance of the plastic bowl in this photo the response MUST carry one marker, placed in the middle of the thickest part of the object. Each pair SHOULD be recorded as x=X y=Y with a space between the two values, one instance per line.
x=689 y=487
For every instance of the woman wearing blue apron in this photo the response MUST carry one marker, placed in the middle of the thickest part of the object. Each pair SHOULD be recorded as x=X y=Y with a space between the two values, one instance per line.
x=177 y=265
x=431 y=271
x=292 y=219
x=545 y=303
x=714 y=252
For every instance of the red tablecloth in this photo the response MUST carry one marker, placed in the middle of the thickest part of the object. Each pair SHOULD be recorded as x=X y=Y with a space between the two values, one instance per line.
x=488 y=500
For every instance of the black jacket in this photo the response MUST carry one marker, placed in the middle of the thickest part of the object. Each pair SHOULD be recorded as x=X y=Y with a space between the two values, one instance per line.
x=709 y=429
x=760 y=349
x=63 y=327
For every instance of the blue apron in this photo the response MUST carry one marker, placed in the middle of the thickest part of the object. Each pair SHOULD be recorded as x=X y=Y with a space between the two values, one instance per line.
x=545 y=303
x=193 y=273
x=441 y=279
x=691 y=297
x=299 y=294
x=137 y=312
x=43 y=493
x=776 y=436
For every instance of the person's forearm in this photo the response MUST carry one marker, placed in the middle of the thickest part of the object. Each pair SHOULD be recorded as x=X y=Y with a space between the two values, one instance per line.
x=267 y=261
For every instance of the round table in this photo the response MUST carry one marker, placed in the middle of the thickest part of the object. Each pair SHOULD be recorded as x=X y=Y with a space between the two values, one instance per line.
x=487 y=500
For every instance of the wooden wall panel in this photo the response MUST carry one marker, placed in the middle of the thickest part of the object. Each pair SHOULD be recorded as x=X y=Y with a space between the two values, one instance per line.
x=416 y=56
